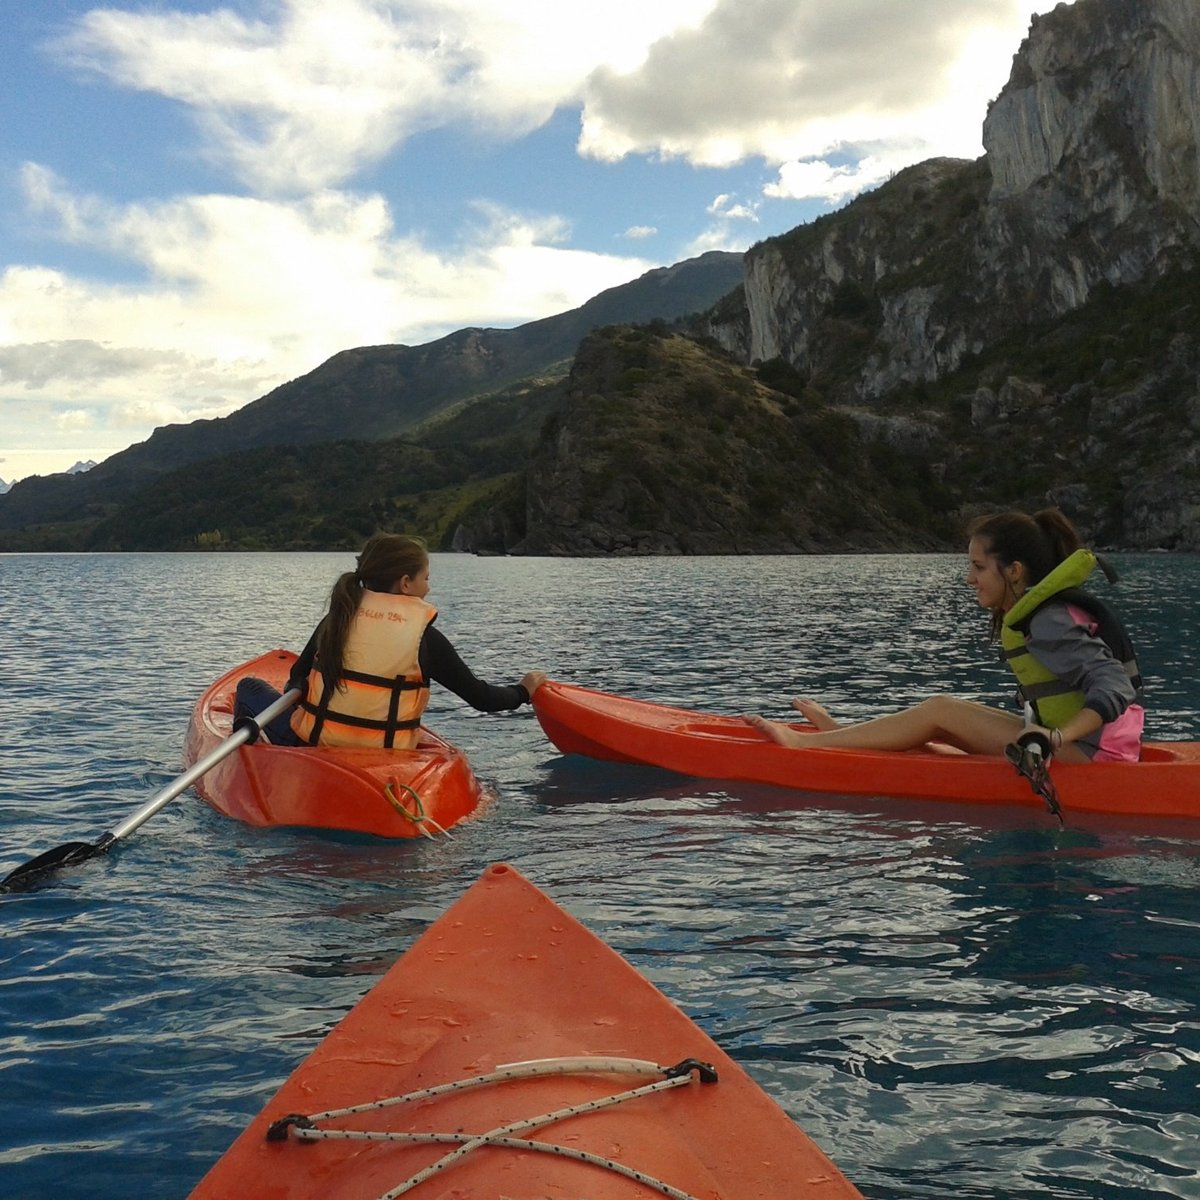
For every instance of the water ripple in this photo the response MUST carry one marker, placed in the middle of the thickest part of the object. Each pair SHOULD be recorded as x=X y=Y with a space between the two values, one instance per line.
x=952 y=1002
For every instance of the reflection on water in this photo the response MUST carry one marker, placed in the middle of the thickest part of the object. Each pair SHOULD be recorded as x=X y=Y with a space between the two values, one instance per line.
x=952 y=1001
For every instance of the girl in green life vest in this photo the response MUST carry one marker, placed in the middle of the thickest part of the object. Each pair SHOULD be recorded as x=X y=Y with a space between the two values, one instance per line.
x=1072 y=659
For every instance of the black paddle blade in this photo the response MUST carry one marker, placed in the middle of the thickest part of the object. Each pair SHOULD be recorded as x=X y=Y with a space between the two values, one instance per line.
x=1027 y=756
x=28 y=874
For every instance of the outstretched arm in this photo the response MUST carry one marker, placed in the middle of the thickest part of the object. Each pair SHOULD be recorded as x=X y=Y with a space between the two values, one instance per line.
x=441 y=663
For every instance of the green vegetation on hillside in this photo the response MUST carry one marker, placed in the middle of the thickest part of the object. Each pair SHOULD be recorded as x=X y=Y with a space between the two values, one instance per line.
x=324 y=497
x=654 y=434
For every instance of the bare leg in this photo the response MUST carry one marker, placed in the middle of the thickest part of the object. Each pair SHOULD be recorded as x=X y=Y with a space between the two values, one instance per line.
x=964 y=724
x=818 y=716
x=815 y=714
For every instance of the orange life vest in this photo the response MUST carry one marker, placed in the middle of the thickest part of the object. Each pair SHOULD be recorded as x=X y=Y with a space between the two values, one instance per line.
x=381 y=692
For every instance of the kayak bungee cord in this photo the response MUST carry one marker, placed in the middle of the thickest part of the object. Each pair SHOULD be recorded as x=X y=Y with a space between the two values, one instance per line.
x=420 y=818
x=504 y=1072
x=507 y=1143
x=303 y=1127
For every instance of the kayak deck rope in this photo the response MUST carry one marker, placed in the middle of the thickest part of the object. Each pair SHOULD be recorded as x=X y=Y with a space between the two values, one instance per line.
x=679 y=1075
x=418 y=816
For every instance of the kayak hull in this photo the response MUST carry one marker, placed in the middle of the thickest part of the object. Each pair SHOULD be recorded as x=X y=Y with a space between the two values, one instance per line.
x=505 y=976
x=1166 y=783
x=388 y=793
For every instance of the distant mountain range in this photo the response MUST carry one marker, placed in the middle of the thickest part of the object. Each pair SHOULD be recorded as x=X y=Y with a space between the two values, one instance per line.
x=1009 y=332
x=374 y=392
x=76 y=468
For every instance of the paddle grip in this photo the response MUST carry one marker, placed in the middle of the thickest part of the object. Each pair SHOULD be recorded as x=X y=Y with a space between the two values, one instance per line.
x=1034 y=740
x=251 y=725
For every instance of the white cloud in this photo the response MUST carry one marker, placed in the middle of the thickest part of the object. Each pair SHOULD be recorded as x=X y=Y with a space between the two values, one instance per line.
x=293 y=105
x=636 y=232
x=75 y=419
x=248 y=278
x=791 y=82
x=725 y=207
x=305 y=96
x=817 y=179
x=719 y=236
x=240 y=294
x=34 y=365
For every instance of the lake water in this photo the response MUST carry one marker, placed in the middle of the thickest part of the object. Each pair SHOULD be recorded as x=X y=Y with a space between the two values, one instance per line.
x=954 y=1002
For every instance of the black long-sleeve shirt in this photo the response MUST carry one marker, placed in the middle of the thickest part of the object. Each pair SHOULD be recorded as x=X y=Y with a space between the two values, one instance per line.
x=441 y=663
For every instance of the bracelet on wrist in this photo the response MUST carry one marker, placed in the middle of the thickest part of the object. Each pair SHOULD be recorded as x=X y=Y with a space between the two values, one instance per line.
x=1056 y=739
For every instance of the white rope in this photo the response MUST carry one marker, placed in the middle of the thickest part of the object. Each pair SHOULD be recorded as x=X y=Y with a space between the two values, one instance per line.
x=507 y=1143
x=485 y=1139
x=505 y=1072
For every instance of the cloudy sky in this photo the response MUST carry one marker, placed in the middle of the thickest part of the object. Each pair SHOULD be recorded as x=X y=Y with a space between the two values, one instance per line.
x=202 y=200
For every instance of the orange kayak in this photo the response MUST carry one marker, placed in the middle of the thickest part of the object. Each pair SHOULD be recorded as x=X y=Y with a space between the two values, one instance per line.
x=390 y=793
x=1166 y=783
x=506 y=983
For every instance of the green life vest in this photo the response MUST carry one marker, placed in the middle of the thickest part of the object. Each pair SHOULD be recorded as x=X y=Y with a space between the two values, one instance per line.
x=1054 y=701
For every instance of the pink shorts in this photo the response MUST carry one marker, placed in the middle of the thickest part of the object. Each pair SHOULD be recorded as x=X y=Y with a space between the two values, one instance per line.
x=1121 y=740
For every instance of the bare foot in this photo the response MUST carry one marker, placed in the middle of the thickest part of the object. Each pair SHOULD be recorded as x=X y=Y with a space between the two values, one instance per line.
x=774 y=730
x=815 y=714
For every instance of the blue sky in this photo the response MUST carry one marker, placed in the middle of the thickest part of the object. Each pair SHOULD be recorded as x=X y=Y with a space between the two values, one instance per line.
x=201 y=200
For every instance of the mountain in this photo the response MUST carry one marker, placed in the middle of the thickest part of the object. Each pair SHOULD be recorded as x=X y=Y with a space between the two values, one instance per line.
x=662 y=446
x=1008 y=332
x=374 y=392
x=1013 y=331
x=327 y=495
x=1091 y=179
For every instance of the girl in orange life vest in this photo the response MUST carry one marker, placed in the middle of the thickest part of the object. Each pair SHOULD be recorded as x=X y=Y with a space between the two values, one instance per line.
x=1071 y=658
x=366 y=670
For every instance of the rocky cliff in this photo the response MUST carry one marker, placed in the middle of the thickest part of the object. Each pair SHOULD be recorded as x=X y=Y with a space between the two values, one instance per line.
x=1090 y=182
x=1091 y=175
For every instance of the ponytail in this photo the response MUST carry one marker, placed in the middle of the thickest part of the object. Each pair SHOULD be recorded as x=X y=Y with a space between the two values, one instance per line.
x=1062 y=538
x=335 y=628
x=384 y=561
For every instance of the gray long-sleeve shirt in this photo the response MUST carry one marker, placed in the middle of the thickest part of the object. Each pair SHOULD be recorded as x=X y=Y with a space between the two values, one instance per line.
x=1066 y=648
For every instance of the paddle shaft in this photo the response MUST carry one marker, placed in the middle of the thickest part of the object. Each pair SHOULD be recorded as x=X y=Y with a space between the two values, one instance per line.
x=247 y=730
x=247 y=733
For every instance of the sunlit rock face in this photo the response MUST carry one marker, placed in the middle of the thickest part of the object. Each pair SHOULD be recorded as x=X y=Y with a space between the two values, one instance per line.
x=1091 y=176
x=1104 y=100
